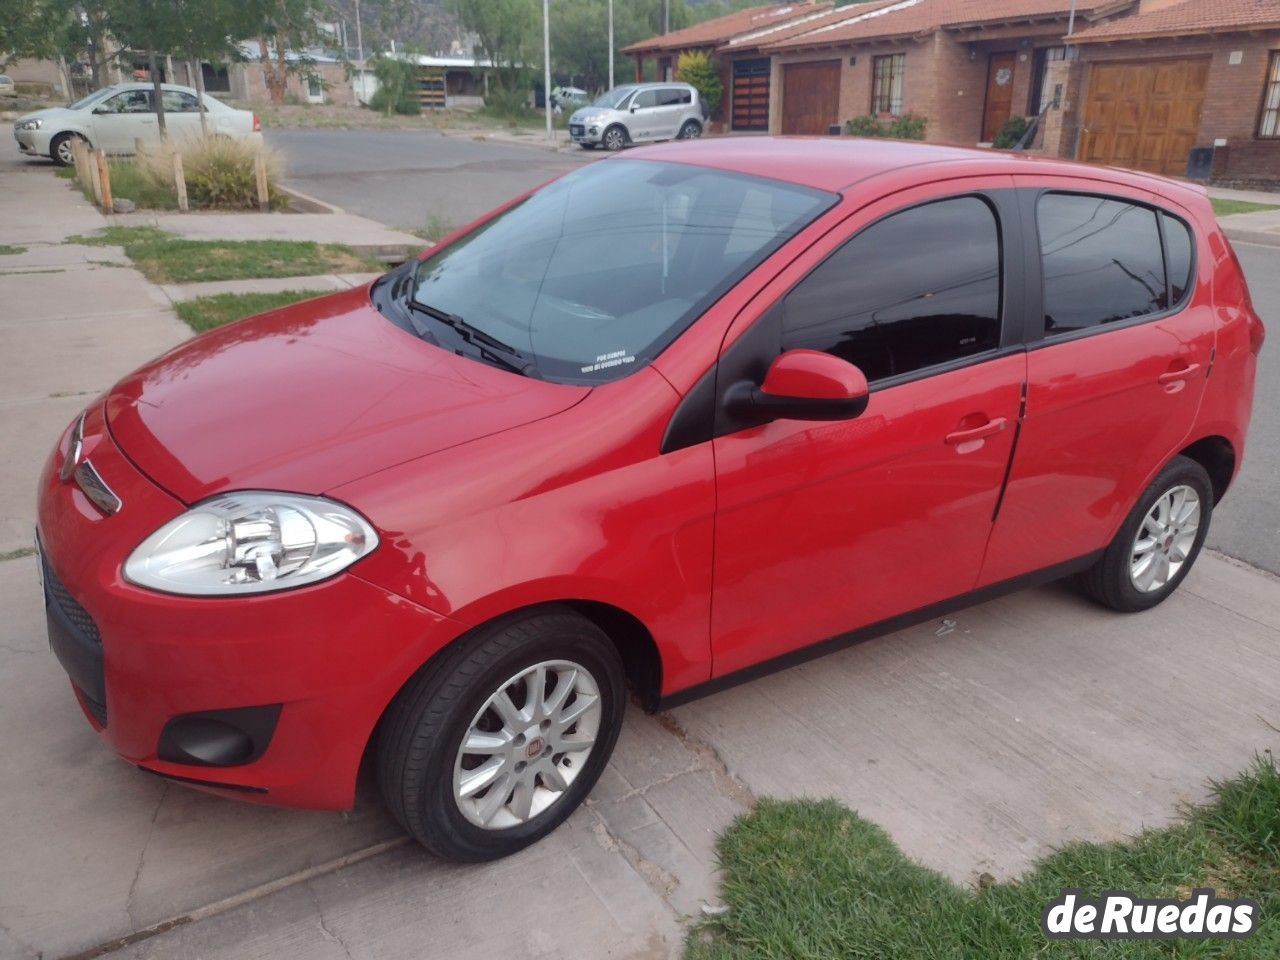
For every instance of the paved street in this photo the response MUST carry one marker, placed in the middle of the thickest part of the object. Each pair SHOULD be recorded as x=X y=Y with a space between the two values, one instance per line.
x=405 y=177
x=980 y=743
x=1247 y=526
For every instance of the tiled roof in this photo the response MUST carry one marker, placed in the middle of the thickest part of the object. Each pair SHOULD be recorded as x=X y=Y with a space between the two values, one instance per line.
x=912 y=17
x=712 y=33
x=1193 y=16
x=776 y=33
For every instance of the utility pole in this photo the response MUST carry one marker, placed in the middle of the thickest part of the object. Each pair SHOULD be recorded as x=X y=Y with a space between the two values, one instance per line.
x=610 y=44
x=546 y=68
x=666 y=16
x=359 y=40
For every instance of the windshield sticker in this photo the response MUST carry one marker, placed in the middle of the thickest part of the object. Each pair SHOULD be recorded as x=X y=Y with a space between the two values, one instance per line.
x=607 y=360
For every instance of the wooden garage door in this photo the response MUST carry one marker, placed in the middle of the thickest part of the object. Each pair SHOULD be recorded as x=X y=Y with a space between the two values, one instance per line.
x=1145 y=116
x=751 y=94
x=810 y=96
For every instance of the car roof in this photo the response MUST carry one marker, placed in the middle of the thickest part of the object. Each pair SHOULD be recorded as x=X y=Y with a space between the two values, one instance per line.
x=837 y=163
x=147 y=85
x=654 y=83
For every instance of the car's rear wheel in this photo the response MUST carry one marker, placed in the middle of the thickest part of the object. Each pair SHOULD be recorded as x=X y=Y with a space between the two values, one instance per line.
x=62 y=150
x=1158 y=542
x=491 y=748
x=614 y=139
x=691 y=130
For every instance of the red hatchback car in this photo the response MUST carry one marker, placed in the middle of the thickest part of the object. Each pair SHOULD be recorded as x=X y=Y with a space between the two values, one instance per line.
x=676 y=419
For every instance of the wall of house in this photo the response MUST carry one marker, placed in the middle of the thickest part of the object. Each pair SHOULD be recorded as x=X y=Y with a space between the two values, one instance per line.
x=248 y=83
x=1233 y=98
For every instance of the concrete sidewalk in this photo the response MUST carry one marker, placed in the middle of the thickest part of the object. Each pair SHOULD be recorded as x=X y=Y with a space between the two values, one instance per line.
x=980 y=742
x=1261 y=227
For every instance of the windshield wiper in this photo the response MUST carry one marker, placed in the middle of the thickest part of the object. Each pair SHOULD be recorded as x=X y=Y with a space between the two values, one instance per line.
x=489 y=347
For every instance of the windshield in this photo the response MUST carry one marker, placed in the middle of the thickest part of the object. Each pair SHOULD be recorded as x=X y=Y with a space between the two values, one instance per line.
x=91 y=98
x=591 y=277
x=612 y=100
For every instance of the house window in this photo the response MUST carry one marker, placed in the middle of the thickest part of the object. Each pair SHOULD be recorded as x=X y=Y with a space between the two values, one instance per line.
x=315 y=89
x=886 y=91
x=1041 y=93
x=1270 y=125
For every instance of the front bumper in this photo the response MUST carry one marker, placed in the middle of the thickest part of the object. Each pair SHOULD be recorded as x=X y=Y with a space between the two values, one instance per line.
x=585 y=133
x=331 y=655
x=31 y=141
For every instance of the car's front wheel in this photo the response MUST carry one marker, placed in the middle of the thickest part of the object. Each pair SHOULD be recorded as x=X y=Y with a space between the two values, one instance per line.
x=489 y=749
x=614 y=139
x=1158 y=542
x=62 y=150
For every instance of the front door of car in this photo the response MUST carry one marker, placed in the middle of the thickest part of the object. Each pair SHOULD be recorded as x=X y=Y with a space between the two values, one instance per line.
x=644 y=116
x=1120 y=344
x=825 y=527
x=120 y=121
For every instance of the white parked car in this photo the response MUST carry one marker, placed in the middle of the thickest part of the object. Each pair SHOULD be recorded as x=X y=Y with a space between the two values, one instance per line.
x=7 y=87
x=114 y=118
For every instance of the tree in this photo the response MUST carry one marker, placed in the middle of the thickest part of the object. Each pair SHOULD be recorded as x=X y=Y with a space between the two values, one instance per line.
x=284 y=25
x=397 y=86
x=507 y=33
x=33 y=28
x=698 y=69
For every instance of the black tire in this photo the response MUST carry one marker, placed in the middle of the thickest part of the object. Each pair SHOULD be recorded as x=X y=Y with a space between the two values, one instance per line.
x=1109 y=581
x=421 y=733
x=691 y=130
x=60 y=147
x=614 y=138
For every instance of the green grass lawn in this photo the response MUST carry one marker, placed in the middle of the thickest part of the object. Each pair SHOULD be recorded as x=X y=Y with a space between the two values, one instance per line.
x=811 y=880
x=165 y=258
x=205 y=313
x=1225 y=208
x=9 y=250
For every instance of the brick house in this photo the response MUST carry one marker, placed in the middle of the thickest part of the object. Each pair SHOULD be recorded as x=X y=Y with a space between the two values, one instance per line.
x=965 y=65
x=1174 y=77
x=735 y=40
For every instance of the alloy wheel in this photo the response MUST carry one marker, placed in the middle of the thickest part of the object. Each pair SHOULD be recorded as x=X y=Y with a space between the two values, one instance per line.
x=66 y=151
x=1165 y=539
x=613 y=139
x=527 y=744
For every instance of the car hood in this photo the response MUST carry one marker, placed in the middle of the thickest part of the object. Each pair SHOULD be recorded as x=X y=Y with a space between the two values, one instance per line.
x=308 y=397
x=588 y=114
x=48 y=113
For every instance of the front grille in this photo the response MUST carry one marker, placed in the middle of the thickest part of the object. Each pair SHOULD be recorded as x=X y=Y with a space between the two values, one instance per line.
x=576 y=129
x=77 y=614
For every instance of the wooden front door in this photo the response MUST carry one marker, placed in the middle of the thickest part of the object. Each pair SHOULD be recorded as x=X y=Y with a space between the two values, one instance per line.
x=810 y=96
x=1144 y=116
x=999 y=94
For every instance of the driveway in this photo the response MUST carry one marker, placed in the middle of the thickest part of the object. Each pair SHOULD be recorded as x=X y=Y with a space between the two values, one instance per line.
x=980 y=742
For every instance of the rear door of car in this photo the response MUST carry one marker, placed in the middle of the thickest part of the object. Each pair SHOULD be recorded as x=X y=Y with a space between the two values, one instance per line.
x=1117 y=361
x=673 y=103
x=181 y=115
x=826 y=527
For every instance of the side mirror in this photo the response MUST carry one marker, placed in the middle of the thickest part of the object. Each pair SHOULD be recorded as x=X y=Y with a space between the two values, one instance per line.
x=803 y=385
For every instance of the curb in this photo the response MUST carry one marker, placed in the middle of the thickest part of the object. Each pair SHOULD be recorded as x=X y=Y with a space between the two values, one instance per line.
x=305 y=203
x=1261 y=237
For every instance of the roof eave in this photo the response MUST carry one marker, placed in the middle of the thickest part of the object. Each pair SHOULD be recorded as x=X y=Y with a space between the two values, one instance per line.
x=1175 y=33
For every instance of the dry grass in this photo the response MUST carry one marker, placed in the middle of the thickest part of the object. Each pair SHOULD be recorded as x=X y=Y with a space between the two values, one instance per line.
x=219 y=172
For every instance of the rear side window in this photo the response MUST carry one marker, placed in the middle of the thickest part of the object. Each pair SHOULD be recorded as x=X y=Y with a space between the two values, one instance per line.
x=674 y=96
x=1103 y=262
x=917 y=289
x=1178 y=247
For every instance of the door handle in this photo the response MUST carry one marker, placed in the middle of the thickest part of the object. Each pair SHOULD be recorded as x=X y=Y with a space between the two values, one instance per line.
x=988 y=429
x=1184 y=373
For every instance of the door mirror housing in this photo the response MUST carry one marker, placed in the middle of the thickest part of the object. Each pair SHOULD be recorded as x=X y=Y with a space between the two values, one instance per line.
x=804 y=385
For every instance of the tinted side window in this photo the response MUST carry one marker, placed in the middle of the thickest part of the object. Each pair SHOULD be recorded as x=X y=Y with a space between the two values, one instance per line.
x=916 y=289
x=1178 y=246
x=674 y=96
x=1102 y=261
x=175 y=101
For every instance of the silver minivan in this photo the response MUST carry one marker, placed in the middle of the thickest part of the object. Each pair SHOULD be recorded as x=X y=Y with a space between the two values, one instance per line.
x=639 y=113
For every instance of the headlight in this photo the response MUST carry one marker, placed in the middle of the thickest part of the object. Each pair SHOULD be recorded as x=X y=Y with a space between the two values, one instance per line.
x=28 y=124
x=251 y=543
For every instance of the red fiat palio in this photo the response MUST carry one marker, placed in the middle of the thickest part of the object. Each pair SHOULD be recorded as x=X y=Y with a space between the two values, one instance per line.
x=676 y=419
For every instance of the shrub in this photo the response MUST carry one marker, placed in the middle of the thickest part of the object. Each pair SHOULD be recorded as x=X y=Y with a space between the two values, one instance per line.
x=397 y=87
x=507 y=104
x=909 y=126
x=219 y=172
x=1013 y=130
x=699 y=70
